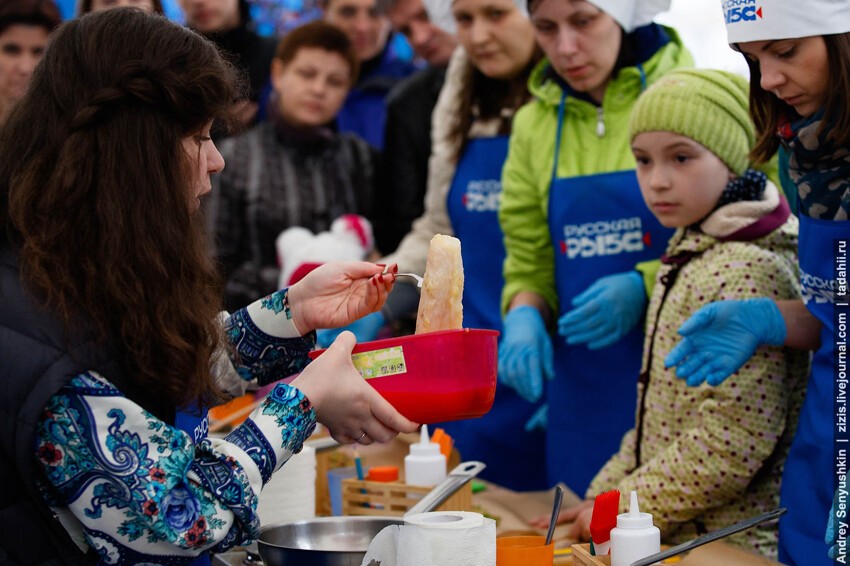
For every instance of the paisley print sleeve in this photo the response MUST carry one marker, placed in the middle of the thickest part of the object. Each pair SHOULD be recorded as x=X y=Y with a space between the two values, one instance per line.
x=266 y=346
x=141 y=491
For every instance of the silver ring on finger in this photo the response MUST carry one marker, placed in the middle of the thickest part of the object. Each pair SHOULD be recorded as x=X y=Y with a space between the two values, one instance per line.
x=361 y=437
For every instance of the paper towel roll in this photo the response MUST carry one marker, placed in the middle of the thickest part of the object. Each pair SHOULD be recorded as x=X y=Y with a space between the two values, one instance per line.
x=290 y=494
x=445 y=520
x=441 y=538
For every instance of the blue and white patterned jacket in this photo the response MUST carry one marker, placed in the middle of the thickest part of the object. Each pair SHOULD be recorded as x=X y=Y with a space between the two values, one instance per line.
x=138 y=490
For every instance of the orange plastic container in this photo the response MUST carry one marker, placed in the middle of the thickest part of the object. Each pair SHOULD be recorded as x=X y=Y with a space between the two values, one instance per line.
x=524 y=551
x=435 y=376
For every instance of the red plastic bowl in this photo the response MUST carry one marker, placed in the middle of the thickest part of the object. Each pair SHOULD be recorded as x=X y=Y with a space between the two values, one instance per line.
x=432 y=377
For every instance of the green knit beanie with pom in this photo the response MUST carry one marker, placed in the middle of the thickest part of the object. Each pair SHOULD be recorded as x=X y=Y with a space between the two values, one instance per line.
x=706 y=105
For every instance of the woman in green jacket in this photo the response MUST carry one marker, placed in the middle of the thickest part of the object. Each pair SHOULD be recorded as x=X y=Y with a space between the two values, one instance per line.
x=575 y=224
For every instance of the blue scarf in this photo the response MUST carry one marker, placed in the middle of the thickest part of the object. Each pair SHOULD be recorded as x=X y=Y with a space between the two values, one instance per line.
x=819 y=169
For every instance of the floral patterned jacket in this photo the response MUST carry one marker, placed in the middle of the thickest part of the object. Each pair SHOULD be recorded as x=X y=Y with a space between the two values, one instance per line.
x=138 y=490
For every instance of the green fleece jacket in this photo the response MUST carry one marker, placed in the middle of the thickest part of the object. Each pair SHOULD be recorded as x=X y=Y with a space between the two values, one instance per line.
x=523 y=212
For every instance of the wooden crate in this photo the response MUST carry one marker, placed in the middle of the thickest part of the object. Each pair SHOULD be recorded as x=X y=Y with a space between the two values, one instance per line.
x=582 y=557
x=394 y=498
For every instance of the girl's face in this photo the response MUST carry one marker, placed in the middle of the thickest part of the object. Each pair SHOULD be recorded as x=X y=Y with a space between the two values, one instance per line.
x=581 y=41
x=794 y=70
x=497 y=36
x=205 y=160
x=312 y=87
x=680 y=180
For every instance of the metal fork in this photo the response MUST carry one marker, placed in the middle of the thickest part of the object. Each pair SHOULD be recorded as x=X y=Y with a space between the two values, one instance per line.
x=418 y=278
x=412 y=275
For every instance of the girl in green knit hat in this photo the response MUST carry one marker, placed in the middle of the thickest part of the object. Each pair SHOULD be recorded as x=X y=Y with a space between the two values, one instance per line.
x=703 y=458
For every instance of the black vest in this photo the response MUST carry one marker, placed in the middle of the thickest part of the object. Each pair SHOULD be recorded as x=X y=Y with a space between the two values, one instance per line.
x=37 y=357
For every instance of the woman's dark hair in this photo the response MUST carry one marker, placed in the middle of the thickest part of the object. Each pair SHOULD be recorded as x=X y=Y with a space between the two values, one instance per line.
x=42 y=13
x=96 y=189
x=320 y=35
x=768 y=112
x=486 y=98
x=84 y=7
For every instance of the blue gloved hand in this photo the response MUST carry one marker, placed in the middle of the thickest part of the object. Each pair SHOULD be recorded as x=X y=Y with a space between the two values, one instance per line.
x=605 y=312
x=539 y=419
x=831 y=537
x=720 y=337
x=525 y=353
x=364 y=329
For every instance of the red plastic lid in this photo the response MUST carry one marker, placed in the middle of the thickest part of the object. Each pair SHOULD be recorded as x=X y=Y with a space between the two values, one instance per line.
x=383 y=473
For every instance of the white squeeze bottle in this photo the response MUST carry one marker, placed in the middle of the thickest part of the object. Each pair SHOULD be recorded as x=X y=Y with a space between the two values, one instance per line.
x=425 y=465
x=634 y=537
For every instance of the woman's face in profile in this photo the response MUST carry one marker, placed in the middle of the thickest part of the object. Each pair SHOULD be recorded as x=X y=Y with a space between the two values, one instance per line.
x=581 y=42
x=204 y=160
x=100 y=5
x=796 y=70
x=312 y=86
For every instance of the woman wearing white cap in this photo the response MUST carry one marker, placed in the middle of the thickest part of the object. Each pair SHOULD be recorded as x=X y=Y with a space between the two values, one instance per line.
x=799 y=58
x=574 y=221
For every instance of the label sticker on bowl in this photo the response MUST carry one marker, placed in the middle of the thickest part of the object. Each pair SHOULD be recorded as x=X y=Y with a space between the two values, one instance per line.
x=380 y=363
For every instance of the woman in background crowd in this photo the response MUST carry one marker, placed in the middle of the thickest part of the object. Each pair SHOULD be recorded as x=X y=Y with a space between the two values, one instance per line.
x=574 y=221
x=485 y=84
x=799 y=59
x=294 y=169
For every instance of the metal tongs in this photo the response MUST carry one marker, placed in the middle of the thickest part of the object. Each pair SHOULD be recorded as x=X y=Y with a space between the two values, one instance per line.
x=710 y=537
x=453 y=482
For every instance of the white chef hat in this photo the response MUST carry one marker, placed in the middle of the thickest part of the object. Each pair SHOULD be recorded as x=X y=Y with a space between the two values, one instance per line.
x=631 y=14
x=762 y=20
x=440 y=13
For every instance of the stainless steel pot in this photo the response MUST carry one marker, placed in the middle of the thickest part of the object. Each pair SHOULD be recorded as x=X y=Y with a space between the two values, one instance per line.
x=342 y=541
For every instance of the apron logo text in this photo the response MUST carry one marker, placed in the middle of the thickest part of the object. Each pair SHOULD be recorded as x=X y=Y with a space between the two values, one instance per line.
x=605 y=238
x=817 y=288
x=483 y=195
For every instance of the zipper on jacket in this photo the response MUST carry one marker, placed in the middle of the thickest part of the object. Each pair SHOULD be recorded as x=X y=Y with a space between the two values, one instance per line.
x=600 y=122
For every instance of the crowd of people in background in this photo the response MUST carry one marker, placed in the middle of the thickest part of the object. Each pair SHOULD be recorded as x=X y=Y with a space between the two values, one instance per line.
x=652 y=241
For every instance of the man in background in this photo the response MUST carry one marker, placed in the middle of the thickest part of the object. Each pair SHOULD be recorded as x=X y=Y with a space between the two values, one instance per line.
x=227 y=23
x=401 y=193
x=381 y=68
x=24 y=28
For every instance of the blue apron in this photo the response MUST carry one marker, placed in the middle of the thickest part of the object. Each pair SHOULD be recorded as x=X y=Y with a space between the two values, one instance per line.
x=808 y=480
x=514 y=457
x=599 y=225
x=194 y=422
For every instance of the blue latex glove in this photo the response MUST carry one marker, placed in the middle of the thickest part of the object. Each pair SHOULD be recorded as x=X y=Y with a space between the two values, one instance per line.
x=539 y=419
x=364 y=329
x=831 y=537
x=720 y=337
x=605 y=312
x=525 y=353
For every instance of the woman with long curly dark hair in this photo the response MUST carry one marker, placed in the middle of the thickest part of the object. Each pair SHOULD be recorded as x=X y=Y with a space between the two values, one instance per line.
x=111 y=340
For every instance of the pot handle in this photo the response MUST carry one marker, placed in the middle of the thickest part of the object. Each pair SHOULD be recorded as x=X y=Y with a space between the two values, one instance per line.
x=456 y=479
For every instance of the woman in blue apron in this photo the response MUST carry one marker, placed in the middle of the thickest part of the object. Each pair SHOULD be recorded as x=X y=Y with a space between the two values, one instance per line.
x=799 y=59
x=573 y=217
x=485 y=84
x=110 y=314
